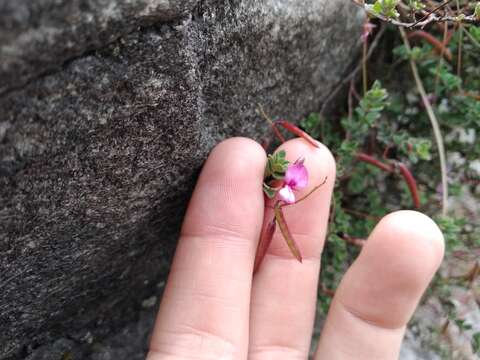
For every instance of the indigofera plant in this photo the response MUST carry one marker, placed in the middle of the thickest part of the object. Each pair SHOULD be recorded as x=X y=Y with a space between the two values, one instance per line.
x=281 y=180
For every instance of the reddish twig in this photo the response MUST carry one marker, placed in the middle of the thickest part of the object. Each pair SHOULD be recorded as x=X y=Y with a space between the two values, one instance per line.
x=264 y=243
x=404 y=171
x=439 y=47
x=372 y=161
x=288 y=126
x=475 y=96
x=446 y=39
x=277 y=132
x=412 y=184
x=326 y=291
x=297 y=131
x=354 y=241
x=287 y=235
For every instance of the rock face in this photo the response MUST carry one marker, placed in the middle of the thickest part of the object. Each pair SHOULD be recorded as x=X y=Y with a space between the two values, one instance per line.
x=107 y=110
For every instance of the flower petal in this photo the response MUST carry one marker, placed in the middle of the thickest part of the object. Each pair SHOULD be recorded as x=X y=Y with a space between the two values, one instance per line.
x=296 y=175
x=287 y=195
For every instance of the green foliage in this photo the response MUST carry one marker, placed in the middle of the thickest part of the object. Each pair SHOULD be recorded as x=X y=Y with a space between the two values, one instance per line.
x=276 y=165
x=390 y=123
x=367 y=113
x=387 y=8
x=415 y=5
x=269 y=191
x=476 y=343
x=451 y=228
x=274 y=170
x=313 y=121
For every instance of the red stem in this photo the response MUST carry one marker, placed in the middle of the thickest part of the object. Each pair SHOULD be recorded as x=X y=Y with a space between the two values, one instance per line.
x=327 y=291
x=264 y=243
x=278 y=134
x=440 y=48
x=404 y=171
x=372 y=161
x=412 y=184
x=354 y=241
x=287 y=235
x=297 y=131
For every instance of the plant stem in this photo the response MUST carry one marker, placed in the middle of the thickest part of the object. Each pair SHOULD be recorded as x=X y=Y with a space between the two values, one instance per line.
x=364 y=66
x=460 y=49
x=434 y=122
x=472 y=39
x=354 y=73
x=460 y=44
x=372 y=161
x=308 y=194
x=440 y=62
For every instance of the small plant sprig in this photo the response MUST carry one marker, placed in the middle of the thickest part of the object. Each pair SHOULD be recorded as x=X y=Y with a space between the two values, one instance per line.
x=389 y=11
x=281 y=180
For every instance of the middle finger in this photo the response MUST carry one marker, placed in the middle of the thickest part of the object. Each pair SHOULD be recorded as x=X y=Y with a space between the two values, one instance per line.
x=284 y=290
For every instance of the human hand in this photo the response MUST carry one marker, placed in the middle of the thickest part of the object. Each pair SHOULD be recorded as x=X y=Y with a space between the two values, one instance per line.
x=214 y=308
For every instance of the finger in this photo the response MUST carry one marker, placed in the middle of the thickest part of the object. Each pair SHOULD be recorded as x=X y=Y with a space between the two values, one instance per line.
x=204 y=312
x=284 y=290
x=381 y=290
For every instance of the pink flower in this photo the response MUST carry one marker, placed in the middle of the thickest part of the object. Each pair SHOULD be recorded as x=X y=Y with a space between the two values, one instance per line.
x=296 y=178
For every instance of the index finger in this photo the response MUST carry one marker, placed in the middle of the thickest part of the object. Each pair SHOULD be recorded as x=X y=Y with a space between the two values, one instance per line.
x=204 y=311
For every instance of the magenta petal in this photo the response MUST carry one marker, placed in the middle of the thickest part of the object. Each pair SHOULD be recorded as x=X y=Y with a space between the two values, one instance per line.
x=296 y=176
x=287 y=195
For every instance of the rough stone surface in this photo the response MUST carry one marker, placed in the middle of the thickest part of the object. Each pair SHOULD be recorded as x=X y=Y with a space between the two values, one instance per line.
x=38 y=36
x=107 y=111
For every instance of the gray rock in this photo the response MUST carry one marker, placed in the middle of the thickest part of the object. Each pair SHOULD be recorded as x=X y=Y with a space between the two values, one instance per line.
x=38 y=36
x=106 y=118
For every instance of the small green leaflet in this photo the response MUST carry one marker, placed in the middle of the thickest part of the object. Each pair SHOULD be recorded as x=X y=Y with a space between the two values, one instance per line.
x=276 y=165
x=269 y=191
x=386 y=8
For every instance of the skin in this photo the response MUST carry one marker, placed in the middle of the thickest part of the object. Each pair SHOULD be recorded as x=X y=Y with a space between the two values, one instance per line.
x=214 y=308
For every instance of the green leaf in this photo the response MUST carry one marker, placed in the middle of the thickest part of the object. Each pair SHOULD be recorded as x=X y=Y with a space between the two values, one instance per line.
x=311 y=124
x=269 y=191
x=416 y=5
x=476 y=343
x=276 y=165
x=377 y=8
x=387 y=8
x=451 y=228
x=475 y=30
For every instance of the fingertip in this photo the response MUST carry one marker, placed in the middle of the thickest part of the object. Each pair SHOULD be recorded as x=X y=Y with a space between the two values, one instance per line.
x=319 y=160
x=240 y=153
x=235 y=166
x=410 y=234
x=249 y=146
x=393 y=270
x=228 y=195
